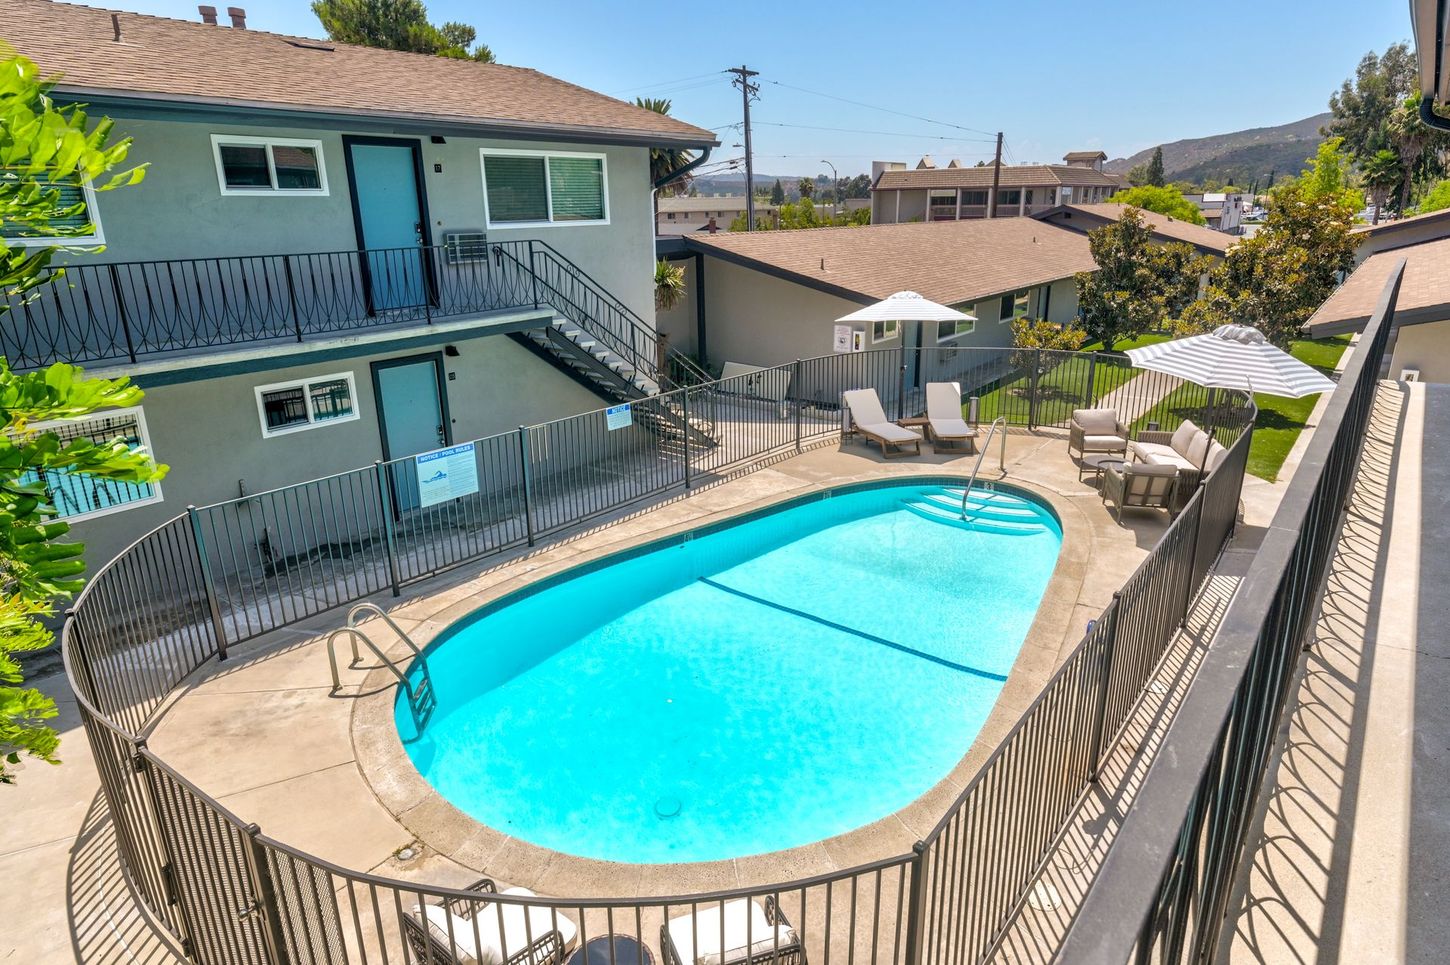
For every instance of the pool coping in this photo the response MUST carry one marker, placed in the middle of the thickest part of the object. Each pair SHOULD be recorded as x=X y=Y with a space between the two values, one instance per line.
x=441 y=827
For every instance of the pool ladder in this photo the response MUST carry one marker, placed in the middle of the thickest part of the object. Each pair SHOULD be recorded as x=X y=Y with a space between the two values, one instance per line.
x=422 y=700
x=998 y=423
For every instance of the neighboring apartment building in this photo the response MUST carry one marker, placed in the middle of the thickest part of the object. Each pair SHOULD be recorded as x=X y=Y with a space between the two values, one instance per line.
x=682 y=215
x=1224 y=211
x=338 y=254
x=1086 y=217
x=954 y=193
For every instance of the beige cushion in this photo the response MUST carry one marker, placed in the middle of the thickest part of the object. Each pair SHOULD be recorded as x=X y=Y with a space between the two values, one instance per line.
x=1096 y=422
x=1197 y=450
x=1183 y=437
x=439 y=920
x=943 y=400
x=1216 y=454
x=1151 y=469
x=890 y=431
x=699 y=940
x=865 y=406
x=1102 y=443
x=1158 y=454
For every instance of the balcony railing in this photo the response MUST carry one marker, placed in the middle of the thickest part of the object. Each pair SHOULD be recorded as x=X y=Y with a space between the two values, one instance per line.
x=126 y=312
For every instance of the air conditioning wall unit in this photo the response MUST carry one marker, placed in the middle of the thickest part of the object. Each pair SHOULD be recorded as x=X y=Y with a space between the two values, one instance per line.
x=464 y=246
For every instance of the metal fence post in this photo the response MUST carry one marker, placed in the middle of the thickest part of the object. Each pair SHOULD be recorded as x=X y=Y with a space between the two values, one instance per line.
x=901 y=388
x=534 y=282
x=915 y=905
x=1190 y=580
x=265 y=902
x=292 y=297
x=1110 y=642
x=219 y=626
x=799 y=402
x=121 y=311
x=390 y=537
x=527 y=484
x=1032 y=390
x=1092 y=384
x=685 y=405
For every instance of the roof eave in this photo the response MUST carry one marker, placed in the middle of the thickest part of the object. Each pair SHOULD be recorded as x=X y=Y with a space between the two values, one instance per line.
x=233 y=109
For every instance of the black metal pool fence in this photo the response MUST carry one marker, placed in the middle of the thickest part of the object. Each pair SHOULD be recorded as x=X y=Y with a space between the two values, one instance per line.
x=180 y=596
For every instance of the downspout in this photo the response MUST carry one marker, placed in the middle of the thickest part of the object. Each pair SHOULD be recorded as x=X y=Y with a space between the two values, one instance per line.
x=680 y=172
x=1427 y=101
x=1429 y=118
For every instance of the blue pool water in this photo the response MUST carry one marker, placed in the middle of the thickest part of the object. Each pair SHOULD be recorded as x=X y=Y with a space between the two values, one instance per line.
x=758 y=686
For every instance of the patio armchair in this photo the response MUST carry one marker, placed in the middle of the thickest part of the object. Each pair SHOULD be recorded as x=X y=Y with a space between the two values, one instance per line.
x=1139 y=485
x=738 y=933
x=944 y=422
x=869 y=419
x=466 y=932
x=1095 y=431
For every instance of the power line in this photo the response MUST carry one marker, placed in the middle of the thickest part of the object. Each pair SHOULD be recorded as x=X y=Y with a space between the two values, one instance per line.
x=852 y=130
x=663 y=83
x=875 y=107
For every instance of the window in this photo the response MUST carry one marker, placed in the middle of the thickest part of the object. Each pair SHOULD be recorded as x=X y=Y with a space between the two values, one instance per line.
x=77 y=202
x=978 y=198
x=670 y=216
x=293 y=406
x=946 y=331
x=883 y=331
x=1014 y=305
x=524 y=189
x=268 y=165
x=80 y=496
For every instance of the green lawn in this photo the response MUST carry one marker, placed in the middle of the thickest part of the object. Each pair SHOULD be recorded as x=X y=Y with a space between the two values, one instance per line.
x=1059 y=391
x=1280 y=420
x=1139 y=342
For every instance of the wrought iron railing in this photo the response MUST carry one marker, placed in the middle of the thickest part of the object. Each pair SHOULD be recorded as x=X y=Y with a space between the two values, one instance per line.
x=188 y=591
x=127 y=312
x=1162 y=892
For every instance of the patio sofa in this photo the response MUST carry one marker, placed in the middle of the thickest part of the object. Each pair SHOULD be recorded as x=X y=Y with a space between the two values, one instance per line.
x=1188 y=448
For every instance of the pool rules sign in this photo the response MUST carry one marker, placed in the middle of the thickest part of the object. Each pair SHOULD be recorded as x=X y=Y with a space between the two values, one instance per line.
x=445 y=474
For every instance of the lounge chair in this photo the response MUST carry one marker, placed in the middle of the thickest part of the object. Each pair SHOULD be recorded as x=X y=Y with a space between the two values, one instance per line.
x=869 y=419
x=1095 y=431
x=944 y=422
x=750 y=936
x=1140 y=485
x=488 y=933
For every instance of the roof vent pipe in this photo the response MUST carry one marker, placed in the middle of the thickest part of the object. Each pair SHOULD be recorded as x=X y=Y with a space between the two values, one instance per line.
x=208 y=15
x=239 y=18
x=116 y=27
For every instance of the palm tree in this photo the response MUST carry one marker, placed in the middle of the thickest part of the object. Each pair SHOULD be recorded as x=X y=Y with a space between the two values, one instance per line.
x=663 y=160
x=1410 y=139
x=1381 y=172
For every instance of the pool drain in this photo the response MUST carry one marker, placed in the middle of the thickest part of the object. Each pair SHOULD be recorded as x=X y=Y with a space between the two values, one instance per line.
x=668 y=807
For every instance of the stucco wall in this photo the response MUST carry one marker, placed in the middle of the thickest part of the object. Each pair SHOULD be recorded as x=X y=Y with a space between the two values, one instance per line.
x=209 y=431
x=678 y=324
x=1425 y=347
x=1398 y=237
x=178 y=211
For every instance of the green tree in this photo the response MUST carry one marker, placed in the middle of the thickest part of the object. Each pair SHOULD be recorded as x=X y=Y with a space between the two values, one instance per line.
x=777 y=193
x=1328 y=174
x=1138 y=175
x=669 y=285
x=1381 y=174
x=663 y=160
x=398 y=25
x=1163 y=200
x=1421 y=149
x=1153 y=177
x=1117 y=301
x=1437 y=199
x=42 y=145
x=807 y=187
x=1362 y=107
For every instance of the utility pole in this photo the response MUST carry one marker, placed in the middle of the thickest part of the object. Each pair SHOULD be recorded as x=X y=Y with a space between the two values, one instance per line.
x=996 y=179
x=835 y=188
x=747 y=90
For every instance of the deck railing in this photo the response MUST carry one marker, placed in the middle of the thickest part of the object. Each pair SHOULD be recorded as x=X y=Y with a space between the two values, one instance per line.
x=188 y=592
x=1163 y=890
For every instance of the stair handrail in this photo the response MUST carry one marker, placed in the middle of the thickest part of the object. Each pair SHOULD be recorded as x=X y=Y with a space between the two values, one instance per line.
x=999 y=422
x=355 y=633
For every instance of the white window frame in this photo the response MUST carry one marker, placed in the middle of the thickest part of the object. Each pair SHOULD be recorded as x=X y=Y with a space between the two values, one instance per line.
x=886 y=335
x=306 y=386
x=483 y=156
x=247 y=140
x=98 y=237
x=141 y=430
x=957 y=331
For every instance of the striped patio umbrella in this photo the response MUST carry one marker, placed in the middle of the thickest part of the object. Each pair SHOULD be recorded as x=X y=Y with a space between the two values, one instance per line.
x=1233 y=357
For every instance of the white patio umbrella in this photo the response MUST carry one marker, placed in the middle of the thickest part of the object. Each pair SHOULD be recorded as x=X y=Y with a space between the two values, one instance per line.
x=1233 y=357
x=907 y=307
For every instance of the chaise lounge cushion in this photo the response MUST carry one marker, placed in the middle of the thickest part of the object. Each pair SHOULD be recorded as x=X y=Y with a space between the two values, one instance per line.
x=870 y=419
x=699 y=941
x=491 y=948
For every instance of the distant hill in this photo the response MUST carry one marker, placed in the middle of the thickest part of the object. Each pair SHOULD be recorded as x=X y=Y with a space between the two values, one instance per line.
x=1240 y=157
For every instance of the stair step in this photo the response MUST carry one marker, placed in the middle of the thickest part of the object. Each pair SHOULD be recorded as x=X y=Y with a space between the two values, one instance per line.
x=1022 y=511
x=940 y=514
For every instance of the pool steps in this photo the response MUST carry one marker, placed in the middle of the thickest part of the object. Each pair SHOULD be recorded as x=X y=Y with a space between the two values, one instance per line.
x=987 y=511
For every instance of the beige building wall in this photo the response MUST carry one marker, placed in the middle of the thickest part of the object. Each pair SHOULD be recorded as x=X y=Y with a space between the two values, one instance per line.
x=678 y=324
x=1425 y=347
x=1431 y=229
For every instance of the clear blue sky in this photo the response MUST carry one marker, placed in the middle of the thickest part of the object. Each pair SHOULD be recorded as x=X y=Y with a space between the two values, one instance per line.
x=1117 y=76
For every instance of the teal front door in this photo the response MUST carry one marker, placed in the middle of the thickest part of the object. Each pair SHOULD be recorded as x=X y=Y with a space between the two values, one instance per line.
x=391 y=225
x=412 y=416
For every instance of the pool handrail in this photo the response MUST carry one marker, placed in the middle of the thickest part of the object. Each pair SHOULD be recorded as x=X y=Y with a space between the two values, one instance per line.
x=1000 y=421
x=418 y=695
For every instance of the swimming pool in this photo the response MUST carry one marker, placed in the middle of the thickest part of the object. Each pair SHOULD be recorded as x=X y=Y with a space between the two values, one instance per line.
x=750 y=687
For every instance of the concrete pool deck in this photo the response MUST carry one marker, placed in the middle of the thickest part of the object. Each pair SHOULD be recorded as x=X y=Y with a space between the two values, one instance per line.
x=289 y=743
x=260 y=732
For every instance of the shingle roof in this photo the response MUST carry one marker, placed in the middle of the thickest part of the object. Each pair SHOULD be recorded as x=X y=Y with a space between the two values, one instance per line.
x=948 y=262
x=1085 y=156
x=1013 y=176
x=1390 y=227
x=1424 y=291
x=1172 y=229
x=176 y=60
